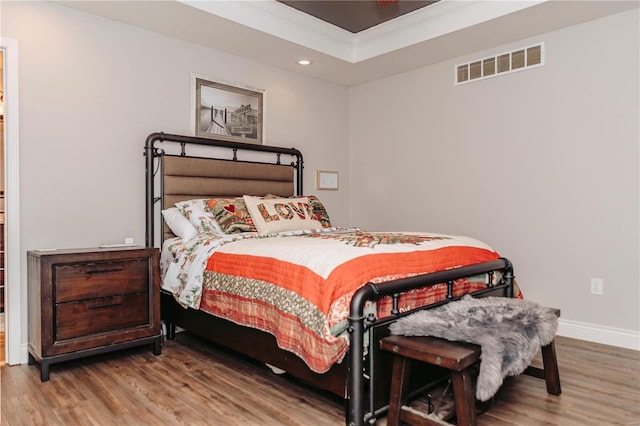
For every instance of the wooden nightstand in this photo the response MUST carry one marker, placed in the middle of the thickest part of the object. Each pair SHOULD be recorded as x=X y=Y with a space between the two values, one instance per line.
x=90 y=301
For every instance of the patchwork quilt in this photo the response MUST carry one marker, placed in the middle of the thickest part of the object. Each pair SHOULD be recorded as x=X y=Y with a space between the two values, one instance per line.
x=298 y=285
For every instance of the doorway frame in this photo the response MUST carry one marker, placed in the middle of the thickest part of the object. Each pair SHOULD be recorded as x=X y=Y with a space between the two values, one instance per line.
x=16 y=353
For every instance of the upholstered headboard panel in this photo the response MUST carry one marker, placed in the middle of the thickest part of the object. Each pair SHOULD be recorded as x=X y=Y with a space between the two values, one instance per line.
x=186 y=178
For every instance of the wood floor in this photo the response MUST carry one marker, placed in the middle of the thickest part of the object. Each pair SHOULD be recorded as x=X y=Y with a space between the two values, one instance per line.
x=194 y=383
x=2 y=351
x=2 y=341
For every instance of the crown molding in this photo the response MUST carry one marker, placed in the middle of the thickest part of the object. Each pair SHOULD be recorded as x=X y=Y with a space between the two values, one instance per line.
x=287 y=23
x=282 y=21
x=436 y=20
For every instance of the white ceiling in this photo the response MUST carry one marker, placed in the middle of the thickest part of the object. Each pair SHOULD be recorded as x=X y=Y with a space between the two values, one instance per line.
x=273 y=33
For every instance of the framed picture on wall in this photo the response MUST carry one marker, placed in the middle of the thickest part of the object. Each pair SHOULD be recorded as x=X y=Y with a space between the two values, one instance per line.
x=227 y=112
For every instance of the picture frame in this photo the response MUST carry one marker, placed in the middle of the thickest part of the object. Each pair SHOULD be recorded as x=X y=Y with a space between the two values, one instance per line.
x=326 y=179
x=227 y=112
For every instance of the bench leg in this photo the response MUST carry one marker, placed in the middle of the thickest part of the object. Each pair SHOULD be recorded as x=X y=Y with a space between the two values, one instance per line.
x=399 y=387
x=551 y=373
x=464 y=396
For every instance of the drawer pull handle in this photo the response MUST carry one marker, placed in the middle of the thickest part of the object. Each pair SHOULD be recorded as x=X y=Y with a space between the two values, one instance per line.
x=109 y=305
x=102 y=271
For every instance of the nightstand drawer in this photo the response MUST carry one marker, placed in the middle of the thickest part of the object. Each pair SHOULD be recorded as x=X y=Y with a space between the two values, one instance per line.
x=78 y=319
x=100 y=279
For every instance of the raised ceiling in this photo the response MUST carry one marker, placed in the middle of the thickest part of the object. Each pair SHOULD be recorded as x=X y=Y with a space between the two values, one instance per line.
x=270 y=32
x=356 y=15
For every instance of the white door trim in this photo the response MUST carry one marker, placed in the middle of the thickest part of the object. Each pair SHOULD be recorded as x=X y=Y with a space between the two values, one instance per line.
x=13 y=311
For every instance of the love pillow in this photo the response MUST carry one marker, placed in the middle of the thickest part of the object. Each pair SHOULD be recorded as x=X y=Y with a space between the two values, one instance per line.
x=272 y=215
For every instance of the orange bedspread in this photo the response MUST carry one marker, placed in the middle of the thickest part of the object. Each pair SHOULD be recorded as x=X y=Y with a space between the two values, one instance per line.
x=299 y=288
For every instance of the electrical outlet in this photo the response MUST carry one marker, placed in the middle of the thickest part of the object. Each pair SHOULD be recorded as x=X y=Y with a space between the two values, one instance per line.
x=128 y=240
x=597 y=285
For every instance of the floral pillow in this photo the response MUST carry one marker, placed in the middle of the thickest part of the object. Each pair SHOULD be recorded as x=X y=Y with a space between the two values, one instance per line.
x=198 y=215
x=272 y=215
x=230 y=214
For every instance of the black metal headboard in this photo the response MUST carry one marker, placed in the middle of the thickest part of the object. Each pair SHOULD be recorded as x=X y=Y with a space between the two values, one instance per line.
x=213 y=168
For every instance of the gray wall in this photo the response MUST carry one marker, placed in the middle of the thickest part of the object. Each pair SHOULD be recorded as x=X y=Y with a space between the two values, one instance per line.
x=542 y=164
x=91 y=90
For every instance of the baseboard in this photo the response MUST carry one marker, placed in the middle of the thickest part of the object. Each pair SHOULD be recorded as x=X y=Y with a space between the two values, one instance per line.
x=577 y=330
x=619 y=337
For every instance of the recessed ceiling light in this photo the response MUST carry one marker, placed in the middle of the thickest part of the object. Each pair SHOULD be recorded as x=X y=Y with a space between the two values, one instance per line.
x=305 y=62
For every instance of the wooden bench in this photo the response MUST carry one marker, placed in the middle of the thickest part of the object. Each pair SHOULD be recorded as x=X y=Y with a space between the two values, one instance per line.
x=458 y=358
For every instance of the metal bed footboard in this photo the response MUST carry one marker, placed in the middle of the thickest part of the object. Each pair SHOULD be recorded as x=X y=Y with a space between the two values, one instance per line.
x=359 y=390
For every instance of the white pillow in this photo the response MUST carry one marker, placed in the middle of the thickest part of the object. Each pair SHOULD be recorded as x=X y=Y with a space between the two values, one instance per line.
x=195 y=211
x=179 y=224
x=281 y=214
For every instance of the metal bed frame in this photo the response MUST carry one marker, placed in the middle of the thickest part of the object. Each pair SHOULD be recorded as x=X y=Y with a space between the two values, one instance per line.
x=363 y=401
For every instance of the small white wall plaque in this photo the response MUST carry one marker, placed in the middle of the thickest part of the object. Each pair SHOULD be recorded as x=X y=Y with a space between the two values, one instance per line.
x=326 y=179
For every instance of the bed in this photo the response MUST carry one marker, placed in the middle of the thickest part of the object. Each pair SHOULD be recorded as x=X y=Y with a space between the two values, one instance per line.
x=340 y=326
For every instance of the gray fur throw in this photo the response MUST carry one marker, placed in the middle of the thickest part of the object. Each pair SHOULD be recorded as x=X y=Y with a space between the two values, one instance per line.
x=509 y=332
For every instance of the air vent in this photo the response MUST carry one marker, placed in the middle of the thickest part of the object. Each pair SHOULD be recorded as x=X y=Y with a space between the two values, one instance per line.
x=504 y=63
